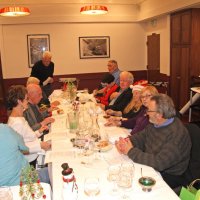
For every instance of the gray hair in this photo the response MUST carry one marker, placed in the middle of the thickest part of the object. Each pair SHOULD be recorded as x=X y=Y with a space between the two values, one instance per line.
x=165 y=105
x=46 y=54
x=129 y=76
x=113 y=62
x=33 y=80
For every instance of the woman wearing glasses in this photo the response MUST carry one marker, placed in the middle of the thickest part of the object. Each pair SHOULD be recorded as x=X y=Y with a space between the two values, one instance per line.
x=140 y=121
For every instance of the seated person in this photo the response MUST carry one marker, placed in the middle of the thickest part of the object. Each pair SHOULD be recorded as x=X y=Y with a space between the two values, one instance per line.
x=17 y=100
x=123 y=96
x=134 y=106
x=44 y=102
x=109 y=87
x=164 y=144
x=11 y=158
x=141 y=120
x=35 y=118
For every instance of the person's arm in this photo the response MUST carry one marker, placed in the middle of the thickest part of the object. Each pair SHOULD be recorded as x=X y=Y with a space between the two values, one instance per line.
x=122 y=101
x=129 y=124
x=108 y=92
x=140 y=123
x=34 y=71
x=171 y=153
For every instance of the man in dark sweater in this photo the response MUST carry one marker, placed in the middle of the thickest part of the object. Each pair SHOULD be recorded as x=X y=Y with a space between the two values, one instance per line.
x=124 y=95
x=164 y=144
x=43 y=70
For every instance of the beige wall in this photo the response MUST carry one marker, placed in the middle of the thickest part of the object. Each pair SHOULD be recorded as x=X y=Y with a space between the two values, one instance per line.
x=127 y=46
x=160 y=26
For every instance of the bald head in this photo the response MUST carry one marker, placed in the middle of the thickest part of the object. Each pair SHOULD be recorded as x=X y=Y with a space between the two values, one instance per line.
x=34 y=93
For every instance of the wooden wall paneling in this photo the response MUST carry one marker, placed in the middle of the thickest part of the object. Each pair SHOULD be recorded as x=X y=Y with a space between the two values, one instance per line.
x=186 y=27
x=195 y=38
x=88 y=80
x=175 y=29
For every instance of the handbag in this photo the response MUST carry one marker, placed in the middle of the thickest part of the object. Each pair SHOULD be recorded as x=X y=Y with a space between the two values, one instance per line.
x=190 y=193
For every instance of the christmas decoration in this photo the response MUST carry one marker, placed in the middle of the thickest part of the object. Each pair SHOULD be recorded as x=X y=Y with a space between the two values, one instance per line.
x=30 y=187
x=70 y=188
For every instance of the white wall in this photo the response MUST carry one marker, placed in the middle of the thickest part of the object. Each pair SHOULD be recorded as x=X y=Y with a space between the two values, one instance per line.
x=160 y=26
x=127 y=46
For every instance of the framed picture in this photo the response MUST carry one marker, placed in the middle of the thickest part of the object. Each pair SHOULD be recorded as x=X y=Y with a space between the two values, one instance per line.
x=94 y=47
x=37 y=44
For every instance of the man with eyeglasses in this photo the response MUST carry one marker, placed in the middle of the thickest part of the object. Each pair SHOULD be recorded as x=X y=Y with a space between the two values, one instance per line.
x=164 y=144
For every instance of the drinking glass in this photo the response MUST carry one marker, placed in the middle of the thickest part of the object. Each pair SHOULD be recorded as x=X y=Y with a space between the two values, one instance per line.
x=73 y=121
x=113 y=176
x=124 y=182
x=91 y=186
x=5 y=193
x=126 y=175
x=128 y=167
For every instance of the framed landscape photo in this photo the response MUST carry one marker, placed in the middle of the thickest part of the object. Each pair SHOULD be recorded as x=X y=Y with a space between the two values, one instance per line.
x=37 y=44
x=94 y=47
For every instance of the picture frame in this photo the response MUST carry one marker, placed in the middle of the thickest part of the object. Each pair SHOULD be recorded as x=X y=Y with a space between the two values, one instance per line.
x=37 y=44
x=94 y=47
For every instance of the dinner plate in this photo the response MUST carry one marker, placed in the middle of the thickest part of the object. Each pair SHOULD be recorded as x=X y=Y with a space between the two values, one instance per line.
x=103 y=148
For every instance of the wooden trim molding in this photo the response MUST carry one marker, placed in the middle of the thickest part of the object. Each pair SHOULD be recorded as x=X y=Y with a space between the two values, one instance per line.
x=90 y=80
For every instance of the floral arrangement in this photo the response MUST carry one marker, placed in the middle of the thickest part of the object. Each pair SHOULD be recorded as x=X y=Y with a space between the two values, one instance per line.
x=30 y=187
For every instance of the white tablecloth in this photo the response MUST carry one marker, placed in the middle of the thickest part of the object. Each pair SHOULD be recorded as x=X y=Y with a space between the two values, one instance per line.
x=15 y=192
x=97 y=165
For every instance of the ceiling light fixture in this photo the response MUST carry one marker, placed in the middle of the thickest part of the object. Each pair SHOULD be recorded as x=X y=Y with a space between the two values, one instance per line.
x=14 y=11
x=94 y=10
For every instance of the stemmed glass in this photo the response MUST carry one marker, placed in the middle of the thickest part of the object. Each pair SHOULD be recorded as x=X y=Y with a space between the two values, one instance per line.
x=91 y=186
x=113 y=176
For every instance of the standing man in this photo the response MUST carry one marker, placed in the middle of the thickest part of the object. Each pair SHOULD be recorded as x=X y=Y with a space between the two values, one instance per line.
x=114 y=70
x=43 y=70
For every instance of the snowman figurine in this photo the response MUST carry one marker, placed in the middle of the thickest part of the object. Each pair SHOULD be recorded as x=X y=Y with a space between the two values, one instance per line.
x=70 y=188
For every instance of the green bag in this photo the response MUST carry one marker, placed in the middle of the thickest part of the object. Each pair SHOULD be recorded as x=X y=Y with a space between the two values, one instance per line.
x=190 y=193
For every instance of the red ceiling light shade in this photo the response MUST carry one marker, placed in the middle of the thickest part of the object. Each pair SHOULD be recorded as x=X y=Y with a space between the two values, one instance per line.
x=14 y=11
x=94 y=10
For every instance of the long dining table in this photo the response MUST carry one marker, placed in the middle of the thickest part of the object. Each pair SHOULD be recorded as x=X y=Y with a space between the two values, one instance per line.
x=97 y=163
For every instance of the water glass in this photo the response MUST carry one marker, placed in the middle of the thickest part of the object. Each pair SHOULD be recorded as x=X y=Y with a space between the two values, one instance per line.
x=5 y=193
x=91 y=186
x=128 y=167
x=113 y=176
x=73 y=121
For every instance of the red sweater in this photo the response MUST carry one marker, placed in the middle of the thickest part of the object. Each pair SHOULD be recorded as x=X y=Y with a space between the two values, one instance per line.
x=106 y=95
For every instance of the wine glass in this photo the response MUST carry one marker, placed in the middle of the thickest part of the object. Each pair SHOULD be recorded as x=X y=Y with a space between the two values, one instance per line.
x=91 y=186
x=113 y=176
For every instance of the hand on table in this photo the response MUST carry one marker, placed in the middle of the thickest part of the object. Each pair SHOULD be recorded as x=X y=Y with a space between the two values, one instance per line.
x=47 y=120
x=45 y=145
x=123 y=145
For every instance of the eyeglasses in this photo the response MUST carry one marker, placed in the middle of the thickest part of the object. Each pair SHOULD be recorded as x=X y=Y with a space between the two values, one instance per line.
x=146 y=96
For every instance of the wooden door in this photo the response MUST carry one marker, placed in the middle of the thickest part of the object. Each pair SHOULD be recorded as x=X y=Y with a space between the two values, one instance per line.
x=179 y=90
x=153 y=57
